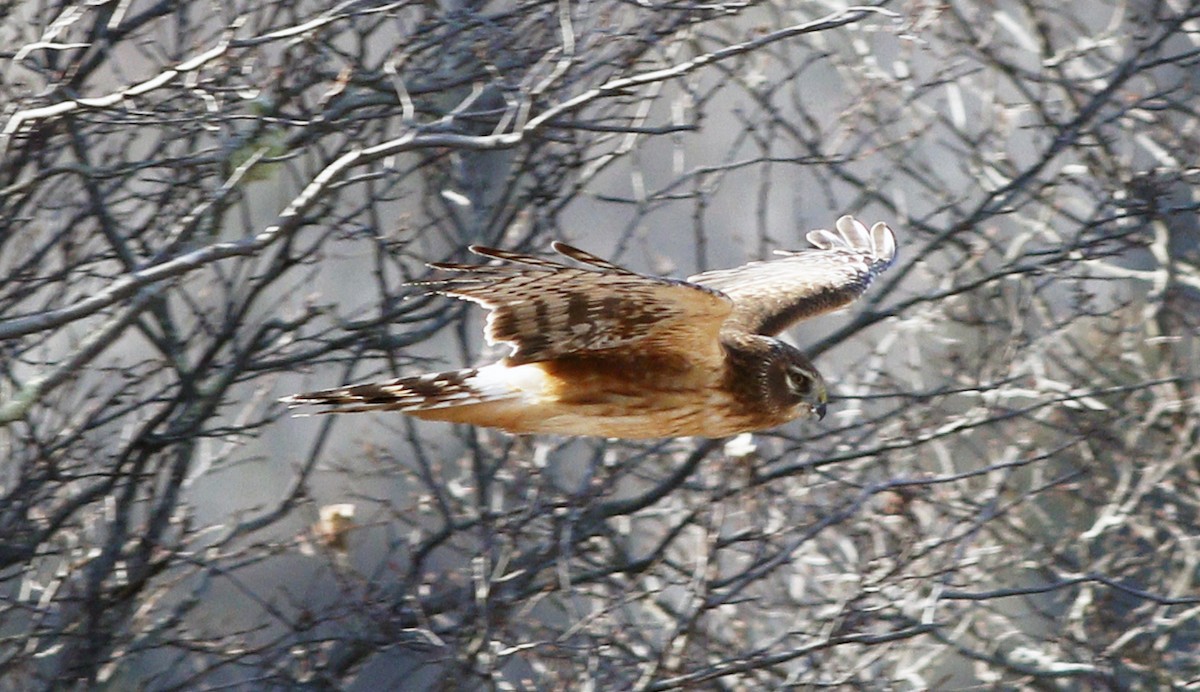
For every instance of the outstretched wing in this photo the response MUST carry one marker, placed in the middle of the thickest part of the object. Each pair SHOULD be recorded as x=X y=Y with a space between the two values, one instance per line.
x=548 y=309
x=770 y=296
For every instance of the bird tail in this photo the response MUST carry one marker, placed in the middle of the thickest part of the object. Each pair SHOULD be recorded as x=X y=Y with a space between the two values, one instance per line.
x=428 y=392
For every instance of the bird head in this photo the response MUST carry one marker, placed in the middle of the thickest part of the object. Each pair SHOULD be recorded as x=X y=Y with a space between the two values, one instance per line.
x=806 y=386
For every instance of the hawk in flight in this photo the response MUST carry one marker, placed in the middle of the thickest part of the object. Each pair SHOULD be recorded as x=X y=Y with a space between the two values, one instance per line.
x=598 y=349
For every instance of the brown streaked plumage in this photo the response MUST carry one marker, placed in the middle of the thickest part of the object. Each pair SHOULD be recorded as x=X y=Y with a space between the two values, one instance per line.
x=602 y=350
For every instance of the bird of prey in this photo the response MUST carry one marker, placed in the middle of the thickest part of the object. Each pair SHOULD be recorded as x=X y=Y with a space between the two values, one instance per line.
x=600 y=350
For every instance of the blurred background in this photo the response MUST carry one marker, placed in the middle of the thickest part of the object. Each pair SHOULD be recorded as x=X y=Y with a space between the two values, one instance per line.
x=207 y=206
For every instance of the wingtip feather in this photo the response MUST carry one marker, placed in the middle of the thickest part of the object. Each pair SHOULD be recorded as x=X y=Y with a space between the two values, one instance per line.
x=854 y=232
x=486 y=251
x=822 y=240
x=585 y=257
x=883 y=238
x=879 y=242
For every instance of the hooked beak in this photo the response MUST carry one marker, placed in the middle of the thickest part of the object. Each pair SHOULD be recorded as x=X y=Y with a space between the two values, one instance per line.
x=819 y=411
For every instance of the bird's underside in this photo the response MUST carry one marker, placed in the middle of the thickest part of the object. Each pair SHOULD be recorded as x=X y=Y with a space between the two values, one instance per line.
x=566 y=398
x=601 y=350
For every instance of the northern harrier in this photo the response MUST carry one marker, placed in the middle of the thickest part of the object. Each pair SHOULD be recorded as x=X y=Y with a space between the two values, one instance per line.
x=601 y=350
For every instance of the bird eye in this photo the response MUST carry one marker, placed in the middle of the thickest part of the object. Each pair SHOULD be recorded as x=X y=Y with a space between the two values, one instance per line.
x=798 y=381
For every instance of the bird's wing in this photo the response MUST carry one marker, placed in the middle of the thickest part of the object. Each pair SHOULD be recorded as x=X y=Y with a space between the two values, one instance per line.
x=547 y=309
x=772 y=295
